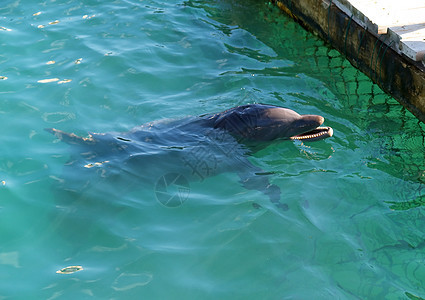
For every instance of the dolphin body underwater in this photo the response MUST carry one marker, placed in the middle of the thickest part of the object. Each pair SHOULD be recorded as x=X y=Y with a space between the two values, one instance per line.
x=191 y=149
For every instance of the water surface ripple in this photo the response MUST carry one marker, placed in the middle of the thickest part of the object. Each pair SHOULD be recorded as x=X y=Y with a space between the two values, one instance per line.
x=354 y=227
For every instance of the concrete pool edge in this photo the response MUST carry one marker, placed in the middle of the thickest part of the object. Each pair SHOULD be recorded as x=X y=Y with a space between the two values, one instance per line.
x=374 y=54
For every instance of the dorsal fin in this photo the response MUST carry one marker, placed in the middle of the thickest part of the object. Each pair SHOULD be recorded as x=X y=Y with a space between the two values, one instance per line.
x=71 y=138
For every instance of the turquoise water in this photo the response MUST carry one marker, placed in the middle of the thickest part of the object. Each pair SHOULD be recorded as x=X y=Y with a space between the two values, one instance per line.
x=355 y=224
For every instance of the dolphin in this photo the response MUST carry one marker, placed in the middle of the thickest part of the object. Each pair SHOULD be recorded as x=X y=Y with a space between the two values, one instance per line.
x=192 y=148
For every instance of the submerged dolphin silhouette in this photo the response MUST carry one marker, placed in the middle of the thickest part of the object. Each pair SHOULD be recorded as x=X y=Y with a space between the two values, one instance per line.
x=196 y=147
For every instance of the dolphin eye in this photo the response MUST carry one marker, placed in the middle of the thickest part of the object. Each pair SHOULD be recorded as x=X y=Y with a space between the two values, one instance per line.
x=123 y=139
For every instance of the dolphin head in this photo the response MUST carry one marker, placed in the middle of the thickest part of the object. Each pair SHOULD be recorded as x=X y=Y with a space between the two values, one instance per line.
x=263 y=123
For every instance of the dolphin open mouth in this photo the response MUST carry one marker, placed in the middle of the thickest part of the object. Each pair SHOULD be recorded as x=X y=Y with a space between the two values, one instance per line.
x=316 y=134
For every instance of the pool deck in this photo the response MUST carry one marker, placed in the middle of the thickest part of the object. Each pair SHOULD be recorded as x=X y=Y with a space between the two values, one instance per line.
x=385 y=39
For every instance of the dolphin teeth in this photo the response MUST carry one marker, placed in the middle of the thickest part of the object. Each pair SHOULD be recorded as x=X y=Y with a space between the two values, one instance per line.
x=315 y=134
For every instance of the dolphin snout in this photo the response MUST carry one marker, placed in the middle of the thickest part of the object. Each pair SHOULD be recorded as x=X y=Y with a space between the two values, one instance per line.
x=312 y=120
x=308 y=122
x=308 y=128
